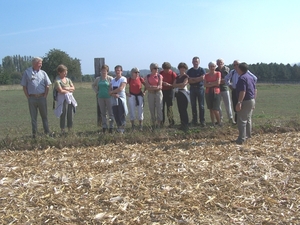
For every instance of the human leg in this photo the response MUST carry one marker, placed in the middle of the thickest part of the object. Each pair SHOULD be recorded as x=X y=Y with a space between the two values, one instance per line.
x=33 y=114
x=158 y=103
x=62 y=118
x=169 y=102
x=193 y=98
x=151 y=105
x=234 y=102
x=182 y=104
x=227 y=104
x=243 y=118
x=42 y=105
x=102 y=106
x=201 y=105
x=70 y=116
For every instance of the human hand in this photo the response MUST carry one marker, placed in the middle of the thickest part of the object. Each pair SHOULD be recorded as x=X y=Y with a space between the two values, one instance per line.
x=238 y=107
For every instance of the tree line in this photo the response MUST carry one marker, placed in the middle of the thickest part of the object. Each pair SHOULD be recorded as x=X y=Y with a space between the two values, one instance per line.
x=12 y=68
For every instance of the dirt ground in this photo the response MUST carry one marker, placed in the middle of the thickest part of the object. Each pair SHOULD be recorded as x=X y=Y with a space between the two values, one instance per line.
x=194 y=181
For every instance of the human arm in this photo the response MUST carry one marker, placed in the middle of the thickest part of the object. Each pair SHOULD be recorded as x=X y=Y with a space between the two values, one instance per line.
x=157 y=87
x=71 y=87
x=241 y=97
x=25 y=91
x=227 y=79
x=193 y=80
x=95 y=85
x=181 y=85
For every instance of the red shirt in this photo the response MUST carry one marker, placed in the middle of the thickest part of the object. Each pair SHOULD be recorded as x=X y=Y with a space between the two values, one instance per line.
x=135 y=85
x=213 y=78
x=169 y=78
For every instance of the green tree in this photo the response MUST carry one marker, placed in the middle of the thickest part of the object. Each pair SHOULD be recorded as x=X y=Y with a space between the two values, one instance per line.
x=56 y=57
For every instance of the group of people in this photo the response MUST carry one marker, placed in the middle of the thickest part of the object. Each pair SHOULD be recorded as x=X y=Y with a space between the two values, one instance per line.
x=161 y=88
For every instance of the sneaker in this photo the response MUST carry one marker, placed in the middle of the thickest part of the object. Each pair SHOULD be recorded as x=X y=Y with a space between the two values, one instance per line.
x=239 y=141
x=231 y=121
x=203 y=124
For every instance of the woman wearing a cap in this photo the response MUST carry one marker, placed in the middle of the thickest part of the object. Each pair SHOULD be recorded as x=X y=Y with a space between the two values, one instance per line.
x=155 y=96
x=136 y=97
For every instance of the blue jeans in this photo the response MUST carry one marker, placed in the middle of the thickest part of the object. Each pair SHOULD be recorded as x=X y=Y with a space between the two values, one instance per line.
x=197 y=93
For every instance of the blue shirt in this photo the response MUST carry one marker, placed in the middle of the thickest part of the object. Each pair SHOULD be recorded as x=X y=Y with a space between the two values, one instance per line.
x=192 y=72
x=233 y=77
x=35 y=81
x=246 y=83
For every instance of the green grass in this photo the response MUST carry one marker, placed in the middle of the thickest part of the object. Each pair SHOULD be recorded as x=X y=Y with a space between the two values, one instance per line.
x=277 y=105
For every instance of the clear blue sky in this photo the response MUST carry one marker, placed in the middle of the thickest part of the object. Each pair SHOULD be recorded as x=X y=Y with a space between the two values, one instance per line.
x=134 y=33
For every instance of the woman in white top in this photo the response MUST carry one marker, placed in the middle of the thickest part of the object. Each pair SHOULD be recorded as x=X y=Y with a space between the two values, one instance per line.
x=118 y=99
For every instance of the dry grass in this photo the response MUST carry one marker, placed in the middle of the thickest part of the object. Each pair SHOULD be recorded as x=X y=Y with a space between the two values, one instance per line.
x=207 y=181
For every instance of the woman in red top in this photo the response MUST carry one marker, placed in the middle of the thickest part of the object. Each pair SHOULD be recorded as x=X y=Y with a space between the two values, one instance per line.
x=212 y=81
x=136 y=97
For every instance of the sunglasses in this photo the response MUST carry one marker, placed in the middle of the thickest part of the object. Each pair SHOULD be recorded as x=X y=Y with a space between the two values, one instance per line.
x=136 y=72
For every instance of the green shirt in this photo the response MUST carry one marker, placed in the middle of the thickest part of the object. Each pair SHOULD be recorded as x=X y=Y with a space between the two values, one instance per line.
x=103 y=87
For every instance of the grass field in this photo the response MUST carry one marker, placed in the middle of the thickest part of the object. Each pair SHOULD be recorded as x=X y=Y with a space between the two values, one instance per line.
x=161 y=177
x=275 y=104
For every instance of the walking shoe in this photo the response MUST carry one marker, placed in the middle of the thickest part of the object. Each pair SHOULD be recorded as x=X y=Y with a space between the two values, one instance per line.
x=202 y=124
x=239 y=141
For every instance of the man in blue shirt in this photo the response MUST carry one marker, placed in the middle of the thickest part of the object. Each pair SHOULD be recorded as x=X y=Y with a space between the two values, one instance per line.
x=196 y=74
x=36 y=84
x=246 y=94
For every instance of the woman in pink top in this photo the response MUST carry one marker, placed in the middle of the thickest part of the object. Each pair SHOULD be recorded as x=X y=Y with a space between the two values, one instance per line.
x=153 y=83
x=212 y=81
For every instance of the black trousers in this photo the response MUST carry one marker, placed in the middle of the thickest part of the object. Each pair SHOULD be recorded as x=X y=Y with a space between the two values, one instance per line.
x=168 y=101
x=234 y=102
x=182 y=104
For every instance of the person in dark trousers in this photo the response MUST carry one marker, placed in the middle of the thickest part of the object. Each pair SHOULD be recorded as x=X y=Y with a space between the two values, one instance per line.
x=197 y=94
x=167 y=89
x=182 y=95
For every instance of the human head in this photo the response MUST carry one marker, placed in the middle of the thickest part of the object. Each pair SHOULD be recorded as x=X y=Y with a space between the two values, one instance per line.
x=134 y=72
x=242 y=68
x=154 y=66
x=37 y=63
x=182 y=67
x=166 y=66
x=118 y=70
x=220 y=63
x=212 y=66
x=235 y=64
x=104 y=68
x=61 y=68
x=196 y=62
